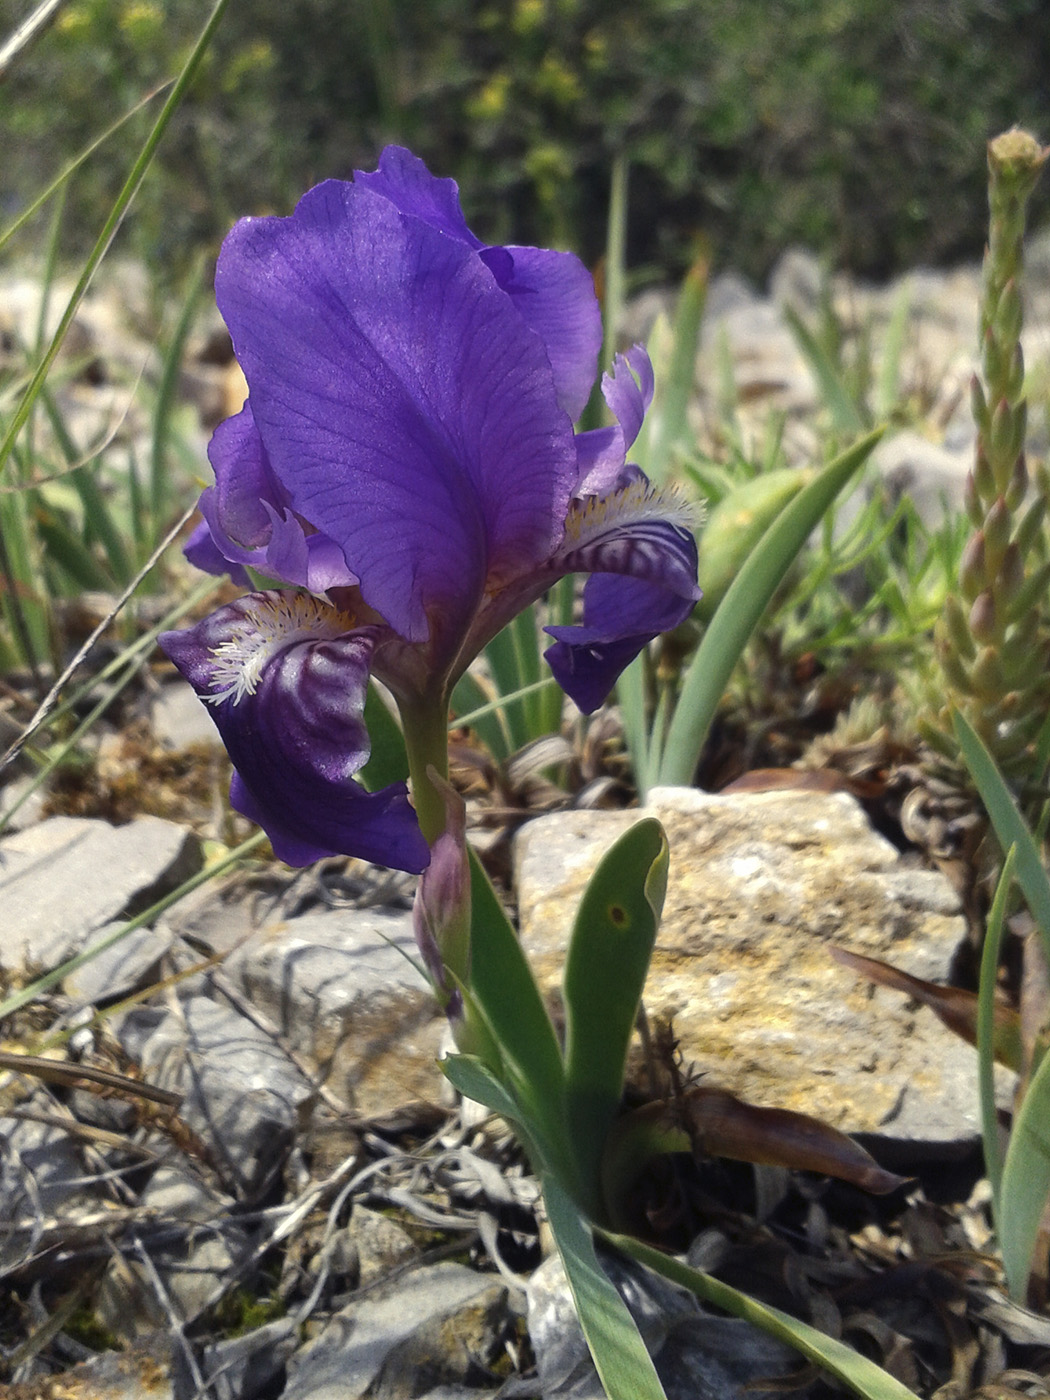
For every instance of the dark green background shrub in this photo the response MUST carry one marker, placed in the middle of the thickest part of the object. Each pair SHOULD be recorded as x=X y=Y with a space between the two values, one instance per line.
x=854 y=126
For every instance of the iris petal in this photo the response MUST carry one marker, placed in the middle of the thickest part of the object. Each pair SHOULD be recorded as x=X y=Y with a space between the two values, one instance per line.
x=553 y=291
x=286 y=685
x=637 y=545
x=620 y=617
x=404 y=406
x=601 y=453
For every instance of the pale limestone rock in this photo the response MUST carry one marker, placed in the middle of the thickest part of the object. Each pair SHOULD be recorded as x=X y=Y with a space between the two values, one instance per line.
x=761 y=886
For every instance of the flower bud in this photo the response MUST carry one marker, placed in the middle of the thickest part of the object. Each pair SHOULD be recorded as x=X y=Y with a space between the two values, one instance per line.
x=956 y=675
x=991 y=358
x=957 y=628
x=1008 y=313
x=1014 y=379
x=978 y=405
x=982 y=617
x=972 y=572
x=972 y=501
x=1031 y=526
x=996 y=532
x=1032 y=594
x=441 y=913
x=1015 y=492
x=987 y=675
x=1001 y=451
x=984 y=478
x=1010 y=578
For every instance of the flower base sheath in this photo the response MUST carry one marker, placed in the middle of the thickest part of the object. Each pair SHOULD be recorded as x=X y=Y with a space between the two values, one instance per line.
x=406 y=470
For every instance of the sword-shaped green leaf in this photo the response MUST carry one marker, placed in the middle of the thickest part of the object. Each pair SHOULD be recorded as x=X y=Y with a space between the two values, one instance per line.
x=605 y=971
x=741 y=609
x=505 y=991
x=624 y=1366
x=849 y=1366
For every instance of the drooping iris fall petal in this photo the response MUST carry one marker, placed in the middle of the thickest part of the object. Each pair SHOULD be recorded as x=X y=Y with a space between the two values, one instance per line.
x=285 y=677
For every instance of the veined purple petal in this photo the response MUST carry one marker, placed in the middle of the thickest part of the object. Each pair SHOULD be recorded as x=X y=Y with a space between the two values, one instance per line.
x=601 y=453
x=408 y=184
x=553 y=291
x=285 y=677
x=250 y=521
x=637 y=545
x=245 y=486
x=620 y=617
x=554 y=294
x=638 y=530
x=627 y=396
x=204 y=554
x=404 y=406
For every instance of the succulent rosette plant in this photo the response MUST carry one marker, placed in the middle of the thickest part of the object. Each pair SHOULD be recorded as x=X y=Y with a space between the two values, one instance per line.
x=406 y=470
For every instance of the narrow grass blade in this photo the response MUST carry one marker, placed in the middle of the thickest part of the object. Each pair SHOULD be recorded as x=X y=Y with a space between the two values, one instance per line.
x=24 y=33
x=65 y=549
x=605 y=970
x=1009 y=825
x=887 y=388
x=98 y=518
x=745 y=602
x=525 y=632
x=74 y=165
x=160 y=482
x=675 y=386
x=50 y=700
x=854 y=1370
x=993 y=1162
x=504 y=665
x=620 y=1356
x=615 y=259
x=1025 y=1187
x=105 y=238
x=845 y=414
x=631 y=690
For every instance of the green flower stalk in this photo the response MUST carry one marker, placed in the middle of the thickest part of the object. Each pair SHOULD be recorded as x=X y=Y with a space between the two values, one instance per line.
x=993 y=641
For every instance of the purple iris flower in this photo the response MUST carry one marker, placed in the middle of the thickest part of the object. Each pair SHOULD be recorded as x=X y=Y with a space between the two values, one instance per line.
x=406 y=463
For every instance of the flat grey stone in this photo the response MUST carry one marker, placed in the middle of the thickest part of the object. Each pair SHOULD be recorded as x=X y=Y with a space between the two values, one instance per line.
x=179 y=719
x=242 y=1095
x=339 y=985
x=425 y=1326
x=151 y=1369
x=119 y=969
x=933 y=478
x=63 y=880
x=761 y=886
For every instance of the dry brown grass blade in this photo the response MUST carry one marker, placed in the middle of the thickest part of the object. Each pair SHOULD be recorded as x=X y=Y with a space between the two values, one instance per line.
x=85 y=1077
x=954 y=1006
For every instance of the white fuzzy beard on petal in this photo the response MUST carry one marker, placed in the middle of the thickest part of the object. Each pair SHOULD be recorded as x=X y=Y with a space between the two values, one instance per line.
x=269 y=623
x=590 y=521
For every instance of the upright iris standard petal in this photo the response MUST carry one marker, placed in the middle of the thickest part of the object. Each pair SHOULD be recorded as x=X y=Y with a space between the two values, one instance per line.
x=285 y=677
x=553 y=292
x=405 y=407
